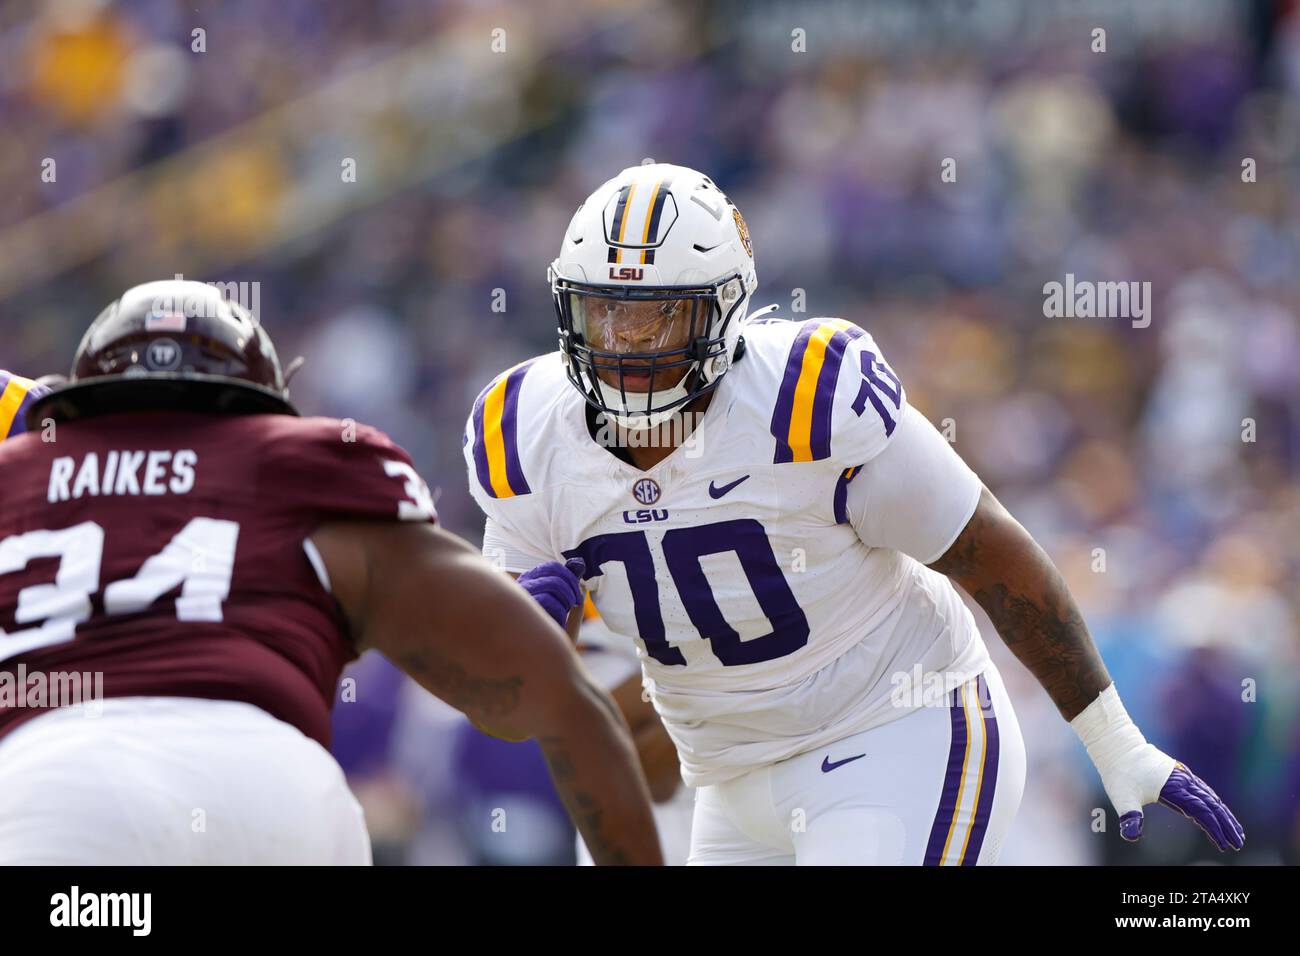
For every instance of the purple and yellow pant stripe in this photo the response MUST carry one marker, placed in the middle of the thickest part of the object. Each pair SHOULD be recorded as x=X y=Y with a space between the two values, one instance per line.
x=971 y=778
x=801 y=422
x=496 y=435
x=16 y=393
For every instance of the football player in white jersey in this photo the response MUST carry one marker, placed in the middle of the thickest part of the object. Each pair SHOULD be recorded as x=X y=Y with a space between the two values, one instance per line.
x=756 y=502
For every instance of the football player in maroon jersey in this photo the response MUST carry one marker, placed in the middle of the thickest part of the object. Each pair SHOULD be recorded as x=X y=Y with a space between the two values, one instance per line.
x=184 y=571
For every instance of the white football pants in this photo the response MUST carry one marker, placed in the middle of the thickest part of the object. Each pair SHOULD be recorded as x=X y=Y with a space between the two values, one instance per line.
x=939 y=786
x=170 y=780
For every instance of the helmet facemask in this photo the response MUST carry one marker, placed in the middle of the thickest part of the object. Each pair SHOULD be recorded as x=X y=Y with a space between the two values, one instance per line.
x=639 y=354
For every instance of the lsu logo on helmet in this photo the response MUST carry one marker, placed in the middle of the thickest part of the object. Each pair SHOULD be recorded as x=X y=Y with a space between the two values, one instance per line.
x=743 y=230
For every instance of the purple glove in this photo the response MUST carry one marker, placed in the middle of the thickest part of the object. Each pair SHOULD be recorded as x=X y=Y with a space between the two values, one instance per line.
x=1134 y=773
x=1192 y=797
x=555 y=587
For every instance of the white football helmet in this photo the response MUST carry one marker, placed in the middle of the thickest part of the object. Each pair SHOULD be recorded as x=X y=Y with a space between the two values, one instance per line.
x=651 y=287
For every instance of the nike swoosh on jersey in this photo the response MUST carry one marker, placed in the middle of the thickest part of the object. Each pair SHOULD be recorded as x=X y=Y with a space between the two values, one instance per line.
x=827 y=766
x=716 y=492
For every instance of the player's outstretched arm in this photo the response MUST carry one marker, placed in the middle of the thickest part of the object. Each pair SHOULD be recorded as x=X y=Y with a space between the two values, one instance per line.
x=1001 y=566
x=998 y=564
x=474 y=638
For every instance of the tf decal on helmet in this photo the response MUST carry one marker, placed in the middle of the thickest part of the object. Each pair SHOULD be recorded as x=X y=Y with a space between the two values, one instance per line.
x=162 y=355
x=743 y=230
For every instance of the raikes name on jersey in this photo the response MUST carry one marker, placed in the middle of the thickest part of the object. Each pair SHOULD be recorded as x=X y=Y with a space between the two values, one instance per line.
x=123 y=472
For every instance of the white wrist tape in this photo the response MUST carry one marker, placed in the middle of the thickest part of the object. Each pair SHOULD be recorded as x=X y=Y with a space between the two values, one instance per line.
x=1106 y=729
x=1112 y=739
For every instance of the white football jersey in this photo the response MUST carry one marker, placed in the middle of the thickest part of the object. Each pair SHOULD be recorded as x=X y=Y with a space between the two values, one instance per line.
x=766 y=626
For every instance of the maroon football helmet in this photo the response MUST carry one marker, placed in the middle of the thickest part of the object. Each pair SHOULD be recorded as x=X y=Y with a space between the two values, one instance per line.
x=174 y=344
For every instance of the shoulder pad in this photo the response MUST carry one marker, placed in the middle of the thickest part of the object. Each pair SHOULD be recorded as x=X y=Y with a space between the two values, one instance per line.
x=835 y=383
x=494 y=442
x=16 y=393
x=338 y=468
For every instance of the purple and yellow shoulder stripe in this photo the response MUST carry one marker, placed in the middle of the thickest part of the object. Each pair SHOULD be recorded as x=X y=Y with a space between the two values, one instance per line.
x=496 y=435
x=801 y=421
x=16 y=394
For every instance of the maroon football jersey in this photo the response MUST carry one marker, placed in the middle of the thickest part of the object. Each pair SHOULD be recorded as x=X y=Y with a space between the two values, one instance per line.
x=166 y=551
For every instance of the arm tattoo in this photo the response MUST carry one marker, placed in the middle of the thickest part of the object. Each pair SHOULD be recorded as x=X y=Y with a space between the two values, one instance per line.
x=583 y=808
x=478 y=696
x=606 y=701
x=1013 y=580
x=1049 y=637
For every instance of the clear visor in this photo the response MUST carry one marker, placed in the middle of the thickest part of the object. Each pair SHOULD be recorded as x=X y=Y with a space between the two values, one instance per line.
x=631 y=326
x=634 y=351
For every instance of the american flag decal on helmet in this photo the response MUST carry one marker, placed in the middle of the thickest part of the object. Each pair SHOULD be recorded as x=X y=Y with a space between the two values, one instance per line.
x=162 y=320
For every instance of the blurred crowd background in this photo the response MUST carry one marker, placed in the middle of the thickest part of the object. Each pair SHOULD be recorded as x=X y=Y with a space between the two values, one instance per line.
x=475 y=128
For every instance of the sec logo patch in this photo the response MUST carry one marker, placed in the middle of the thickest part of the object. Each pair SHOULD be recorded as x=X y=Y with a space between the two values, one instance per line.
x=646 y=491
